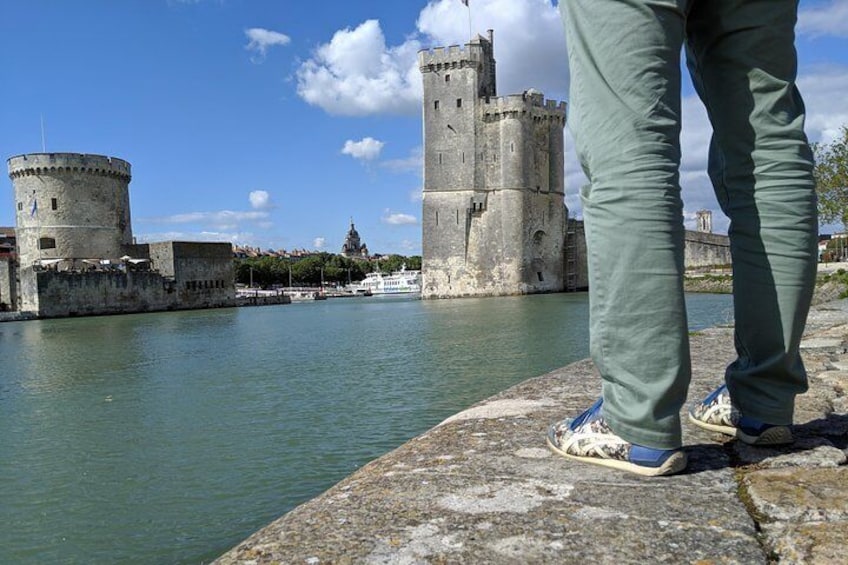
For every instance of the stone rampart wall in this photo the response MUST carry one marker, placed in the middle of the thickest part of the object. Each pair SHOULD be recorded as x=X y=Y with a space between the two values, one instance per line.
x=8 y=286
x=705 y=250
x=89 y=293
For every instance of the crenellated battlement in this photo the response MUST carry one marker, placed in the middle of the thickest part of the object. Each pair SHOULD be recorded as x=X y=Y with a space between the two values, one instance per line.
x=41 y=163
x=515 y=105
x=454 y=56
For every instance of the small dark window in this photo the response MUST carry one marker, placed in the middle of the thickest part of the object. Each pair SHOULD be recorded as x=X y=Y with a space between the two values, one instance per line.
x=437 y=217
x=539 y=274
x=440 y=158
x=459 y=102
x=436 y=105
x=188 y=285
x=20 y=206
x=447 y=78
x=463 y=156
x=53 y=204
x=47 y=243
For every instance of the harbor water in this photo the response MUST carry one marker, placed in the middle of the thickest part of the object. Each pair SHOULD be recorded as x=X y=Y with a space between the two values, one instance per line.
x=168 y=438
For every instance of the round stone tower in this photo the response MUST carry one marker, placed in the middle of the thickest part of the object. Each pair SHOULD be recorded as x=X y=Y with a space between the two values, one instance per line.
x=70 y=206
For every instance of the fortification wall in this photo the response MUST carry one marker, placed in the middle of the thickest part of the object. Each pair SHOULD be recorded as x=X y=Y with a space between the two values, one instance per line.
x=70 y=205
x=576 y=264
x=52 y=294
x=8 y=285
x=202 y=272
x=705 y=250
x=492 y=243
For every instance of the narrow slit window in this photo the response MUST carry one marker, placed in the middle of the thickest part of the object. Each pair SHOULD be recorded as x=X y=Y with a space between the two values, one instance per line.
x=437 y=217
x=47 y=243
x=539 y=274
x=459 y=102
x=463 y=156
x=436 y=105
x=447 y=78
x=53 y=204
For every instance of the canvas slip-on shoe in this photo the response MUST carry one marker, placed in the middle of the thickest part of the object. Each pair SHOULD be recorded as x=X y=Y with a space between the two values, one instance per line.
x=588 y=438
x=716 y=413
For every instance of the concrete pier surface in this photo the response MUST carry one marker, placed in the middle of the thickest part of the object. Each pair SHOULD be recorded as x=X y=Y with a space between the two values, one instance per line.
x=483 y=488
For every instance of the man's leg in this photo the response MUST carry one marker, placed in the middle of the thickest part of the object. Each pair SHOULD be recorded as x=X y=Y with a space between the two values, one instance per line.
x=742 y=57
x=624 y=112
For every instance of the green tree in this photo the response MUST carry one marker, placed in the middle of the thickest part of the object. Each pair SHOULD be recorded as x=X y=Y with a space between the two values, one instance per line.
x=831 y=173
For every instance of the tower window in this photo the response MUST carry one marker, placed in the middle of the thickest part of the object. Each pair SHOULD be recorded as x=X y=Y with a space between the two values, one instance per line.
x=447 y=78
x=47 y=243
x=20 y=206
x=53 y=204
x=436 y=105
x=459 y=102
x=437 y=217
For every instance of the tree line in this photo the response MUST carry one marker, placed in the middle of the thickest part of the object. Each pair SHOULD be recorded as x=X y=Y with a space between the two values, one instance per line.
x=308 y=271
x=831 y=174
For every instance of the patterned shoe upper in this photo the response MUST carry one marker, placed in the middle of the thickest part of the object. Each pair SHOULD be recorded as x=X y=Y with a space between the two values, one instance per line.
x=589 y=435
x=716 y=409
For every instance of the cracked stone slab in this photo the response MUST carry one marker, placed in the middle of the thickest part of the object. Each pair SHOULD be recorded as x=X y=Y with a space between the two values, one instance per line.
x=819 y=542
x=799 y=494
x=805 y=452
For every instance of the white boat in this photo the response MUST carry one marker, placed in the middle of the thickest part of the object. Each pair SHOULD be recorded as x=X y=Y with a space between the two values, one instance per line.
x=399 y=282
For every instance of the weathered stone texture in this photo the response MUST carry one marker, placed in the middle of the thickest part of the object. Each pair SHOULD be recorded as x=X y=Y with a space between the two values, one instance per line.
x=8 y=285
x=493 y=212
x=79 y=202
x=706 y=250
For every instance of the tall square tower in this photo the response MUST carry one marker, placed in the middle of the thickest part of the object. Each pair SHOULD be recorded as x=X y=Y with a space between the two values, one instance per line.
x=493 y=212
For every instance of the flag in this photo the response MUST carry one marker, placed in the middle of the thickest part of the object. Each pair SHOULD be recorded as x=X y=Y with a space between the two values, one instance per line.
x=464 y=2
x=34 y=208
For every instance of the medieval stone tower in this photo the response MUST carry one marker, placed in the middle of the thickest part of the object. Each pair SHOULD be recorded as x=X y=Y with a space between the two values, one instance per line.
x=70 y=206
x=493 y=212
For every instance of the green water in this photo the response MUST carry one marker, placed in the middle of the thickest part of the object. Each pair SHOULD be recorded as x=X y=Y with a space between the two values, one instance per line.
x=168 y=438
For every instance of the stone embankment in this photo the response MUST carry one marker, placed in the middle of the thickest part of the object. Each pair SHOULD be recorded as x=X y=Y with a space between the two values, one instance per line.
x=482 y=488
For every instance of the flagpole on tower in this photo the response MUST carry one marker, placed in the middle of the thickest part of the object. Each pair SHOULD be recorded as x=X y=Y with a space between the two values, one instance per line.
x=470 y=32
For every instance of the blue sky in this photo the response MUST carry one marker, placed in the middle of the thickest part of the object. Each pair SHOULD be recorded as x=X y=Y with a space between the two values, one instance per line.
x=272 y=123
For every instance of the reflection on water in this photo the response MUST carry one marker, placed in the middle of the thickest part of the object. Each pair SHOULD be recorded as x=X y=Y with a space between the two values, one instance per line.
x=170 y=437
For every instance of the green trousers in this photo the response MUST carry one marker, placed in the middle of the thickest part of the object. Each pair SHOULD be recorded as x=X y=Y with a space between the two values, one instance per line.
x=625 y=113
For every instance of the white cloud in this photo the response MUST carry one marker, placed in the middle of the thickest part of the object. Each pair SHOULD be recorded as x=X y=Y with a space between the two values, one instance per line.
x=260 y=200
x=823 y=89
x=413 y=163
x=319 y=242
x=398 y=219
x=263 y=39
x=366 y=149
x=416 y=194
x=529 y=31
x=222 y=217
x=232 y=237
x=357 y=74
x=830 y=18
